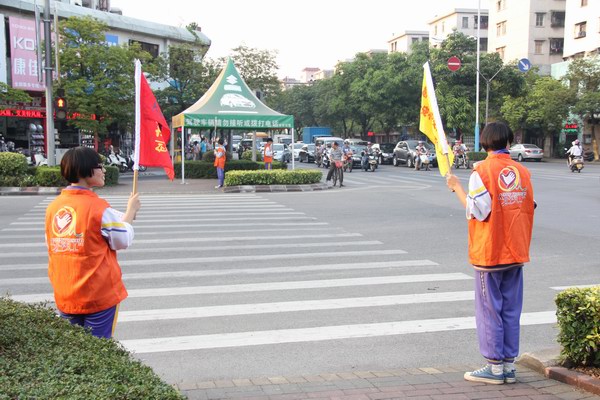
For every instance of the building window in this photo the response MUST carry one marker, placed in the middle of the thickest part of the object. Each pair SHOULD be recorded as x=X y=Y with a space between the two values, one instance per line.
x=500 y=5
x=415 y=40
x=539 y=19
x=148 y=47
x=483 y=44
x=539 y=46
x=557 y=45
x=465 y=22
x=557 y=19
x=501 y=28
x=443 y=27
x=583 y=3
x=435 y=30
x=580 y=30
x=500 y=51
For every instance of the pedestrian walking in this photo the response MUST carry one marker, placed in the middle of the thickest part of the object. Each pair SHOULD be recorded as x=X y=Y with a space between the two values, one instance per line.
x=268 y=154
x=196 y=151
x=83 y=234
x=499 y=209
x=203 y=148
x=220 y=157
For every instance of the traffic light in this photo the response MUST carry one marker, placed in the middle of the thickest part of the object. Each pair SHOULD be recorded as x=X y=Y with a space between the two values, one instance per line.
x=60 y=104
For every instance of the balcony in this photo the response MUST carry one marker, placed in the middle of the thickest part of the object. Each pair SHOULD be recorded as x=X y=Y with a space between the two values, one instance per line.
x=557 y=19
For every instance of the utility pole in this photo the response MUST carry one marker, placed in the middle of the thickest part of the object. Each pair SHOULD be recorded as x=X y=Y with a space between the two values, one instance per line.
x=477 y=83
x=49 y=96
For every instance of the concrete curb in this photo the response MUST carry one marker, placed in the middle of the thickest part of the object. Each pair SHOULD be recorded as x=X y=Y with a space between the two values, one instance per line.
x=546 y=363
x=29 y=191
x=274 y=188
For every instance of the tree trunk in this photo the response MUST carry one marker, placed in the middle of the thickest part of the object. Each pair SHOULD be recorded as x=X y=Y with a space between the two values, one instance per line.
x=595 y=143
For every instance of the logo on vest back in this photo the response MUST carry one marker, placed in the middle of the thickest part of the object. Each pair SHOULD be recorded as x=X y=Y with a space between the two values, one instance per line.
x=509 y=182
x=65 y=237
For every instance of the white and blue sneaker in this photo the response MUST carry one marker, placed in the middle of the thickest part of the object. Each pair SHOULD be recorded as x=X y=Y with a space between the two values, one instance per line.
x=486 y=375
x=510 y=376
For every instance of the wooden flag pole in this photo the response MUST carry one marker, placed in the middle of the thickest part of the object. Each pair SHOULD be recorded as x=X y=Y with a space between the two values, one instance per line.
x=135 y=181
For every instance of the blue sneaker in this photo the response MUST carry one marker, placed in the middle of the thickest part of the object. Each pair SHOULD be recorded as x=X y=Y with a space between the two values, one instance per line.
x=485 y=375
x=510 y=376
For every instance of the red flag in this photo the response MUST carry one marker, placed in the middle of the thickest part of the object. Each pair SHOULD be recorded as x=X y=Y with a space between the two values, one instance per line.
x=153 y=133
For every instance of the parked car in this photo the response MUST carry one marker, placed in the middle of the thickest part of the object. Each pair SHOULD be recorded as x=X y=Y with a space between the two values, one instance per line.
x=357 y=155
x=296 y=148
x=281 y=152
x=246 y=144
x=386 y=152
x=307 y=153
x=524 y=152
x=404 y=153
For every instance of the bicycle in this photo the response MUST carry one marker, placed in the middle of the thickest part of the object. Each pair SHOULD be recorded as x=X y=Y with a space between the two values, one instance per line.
x=337 y=173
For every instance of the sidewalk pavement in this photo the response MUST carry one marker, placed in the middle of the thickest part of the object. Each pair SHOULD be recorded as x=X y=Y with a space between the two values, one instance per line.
x=438 y=383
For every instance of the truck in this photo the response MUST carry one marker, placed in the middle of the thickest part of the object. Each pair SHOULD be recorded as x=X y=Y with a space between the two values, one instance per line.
x=309 y=133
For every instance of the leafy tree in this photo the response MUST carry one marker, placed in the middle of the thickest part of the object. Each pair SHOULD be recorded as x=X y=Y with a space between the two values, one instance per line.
x=584 y=76
x=9 y=94
x=258 y=68
x=97 y=78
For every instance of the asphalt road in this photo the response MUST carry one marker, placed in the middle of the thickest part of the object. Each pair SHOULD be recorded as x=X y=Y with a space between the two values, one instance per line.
x=370 y=276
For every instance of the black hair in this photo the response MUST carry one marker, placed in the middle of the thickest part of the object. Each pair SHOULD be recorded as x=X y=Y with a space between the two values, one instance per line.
x=496 y=136
x=269 y=140
x=220 y=141
x=79 y=162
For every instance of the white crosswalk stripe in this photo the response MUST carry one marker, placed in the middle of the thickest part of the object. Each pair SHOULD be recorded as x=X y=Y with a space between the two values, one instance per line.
x=242 y=256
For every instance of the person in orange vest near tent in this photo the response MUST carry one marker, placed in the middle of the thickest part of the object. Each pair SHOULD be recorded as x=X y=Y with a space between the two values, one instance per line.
x=268 y=154
x=220 y=157
x=83 y=234
x=499 y=208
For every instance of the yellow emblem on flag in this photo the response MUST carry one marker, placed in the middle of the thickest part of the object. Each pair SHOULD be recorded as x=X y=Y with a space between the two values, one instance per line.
x=431 y=123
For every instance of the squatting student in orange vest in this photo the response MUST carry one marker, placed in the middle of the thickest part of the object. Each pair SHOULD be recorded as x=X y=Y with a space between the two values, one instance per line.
x=220 y=157
x=83 y=234
x=268 y=154
x=499 y=208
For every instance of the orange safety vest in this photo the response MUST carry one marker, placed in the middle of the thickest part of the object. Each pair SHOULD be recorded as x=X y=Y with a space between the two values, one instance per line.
x=504 y=237
x=266 y=158
x=82 y=268
x=220 y=160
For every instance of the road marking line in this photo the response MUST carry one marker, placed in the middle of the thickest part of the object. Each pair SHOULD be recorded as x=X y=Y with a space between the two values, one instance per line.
x=292 y=306
x=240 y=217
x=195 y=226
x=269 y=286
x=560 y=288
x=256 y=338
x=245 y=271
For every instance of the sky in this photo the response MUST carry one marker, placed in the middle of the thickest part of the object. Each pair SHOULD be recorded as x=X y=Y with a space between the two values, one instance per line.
x=308 y=33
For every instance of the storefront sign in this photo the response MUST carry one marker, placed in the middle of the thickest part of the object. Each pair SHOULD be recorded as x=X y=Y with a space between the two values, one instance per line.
x=571 y=128
x=18 y=113
x=23 y=47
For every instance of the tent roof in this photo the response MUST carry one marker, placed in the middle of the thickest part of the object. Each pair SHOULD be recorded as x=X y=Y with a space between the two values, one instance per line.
x=229 y=103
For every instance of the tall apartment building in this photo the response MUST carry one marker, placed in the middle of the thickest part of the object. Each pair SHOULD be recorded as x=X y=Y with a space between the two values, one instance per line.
x=403 y=42
x=582 y=28
x=461 y=20
x=532 y=29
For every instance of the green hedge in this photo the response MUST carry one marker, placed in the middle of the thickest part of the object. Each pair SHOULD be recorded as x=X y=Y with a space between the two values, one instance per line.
x=475 y=156
x=206 y=170
x=209 y=156
x=247 y=155
x=274 y=177
x=578 y=316
x=45 y=357
x=50 y=176
x=14 y=170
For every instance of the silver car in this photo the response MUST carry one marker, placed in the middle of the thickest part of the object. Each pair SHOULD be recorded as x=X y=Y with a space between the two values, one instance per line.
x=523 y=152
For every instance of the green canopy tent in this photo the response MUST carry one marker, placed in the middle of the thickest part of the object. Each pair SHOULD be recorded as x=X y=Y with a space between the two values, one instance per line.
x=230 y=104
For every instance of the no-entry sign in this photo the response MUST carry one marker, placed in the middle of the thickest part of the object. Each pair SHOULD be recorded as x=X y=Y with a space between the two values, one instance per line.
x=453 y=63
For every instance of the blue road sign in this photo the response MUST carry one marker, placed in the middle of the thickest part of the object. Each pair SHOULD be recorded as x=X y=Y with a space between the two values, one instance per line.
x=524 y=65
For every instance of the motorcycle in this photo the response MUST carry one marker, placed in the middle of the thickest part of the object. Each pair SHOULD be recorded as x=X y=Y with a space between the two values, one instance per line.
x=116 y=160
x=325 y=162
x=369 y=161
x=424 y=161
x=130 y=164
x=39 y=159
x=460 y=160
x=348 y=162
x=576 y=164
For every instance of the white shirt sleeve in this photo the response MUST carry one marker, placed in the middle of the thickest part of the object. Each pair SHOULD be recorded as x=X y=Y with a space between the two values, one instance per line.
x=117 y=233
x=479 y=201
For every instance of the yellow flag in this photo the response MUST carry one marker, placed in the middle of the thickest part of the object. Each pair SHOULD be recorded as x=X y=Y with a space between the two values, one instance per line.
x=431 y=123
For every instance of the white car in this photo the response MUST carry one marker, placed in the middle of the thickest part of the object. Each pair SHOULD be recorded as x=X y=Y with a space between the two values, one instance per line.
x=297 y=147
x=236 y=100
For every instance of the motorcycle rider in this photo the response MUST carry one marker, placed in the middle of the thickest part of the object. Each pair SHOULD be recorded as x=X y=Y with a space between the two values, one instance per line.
x=460 y=150
x=347 y=151
x=365 y=156
x=335 y=154
x=419 y=151
x=575 y=151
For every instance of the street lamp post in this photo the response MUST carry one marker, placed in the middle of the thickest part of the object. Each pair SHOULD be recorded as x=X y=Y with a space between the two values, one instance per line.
x=487 y=91
x=477 y=84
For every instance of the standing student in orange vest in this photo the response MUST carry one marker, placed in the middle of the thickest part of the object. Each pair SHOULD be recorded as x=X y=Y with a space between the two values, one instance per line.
x=499 y=208
x=268 y=154
x=220 y=157
x=83 y=234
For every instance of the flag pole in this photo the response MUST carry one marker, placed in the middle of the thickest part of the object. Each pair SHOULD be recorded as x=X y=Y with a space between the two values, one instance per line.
x=138 y=118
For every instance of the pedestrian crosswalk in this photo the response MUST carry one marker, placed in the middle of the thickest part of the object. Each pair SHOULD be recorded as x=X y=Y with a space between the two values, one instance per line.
x=276 y=275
